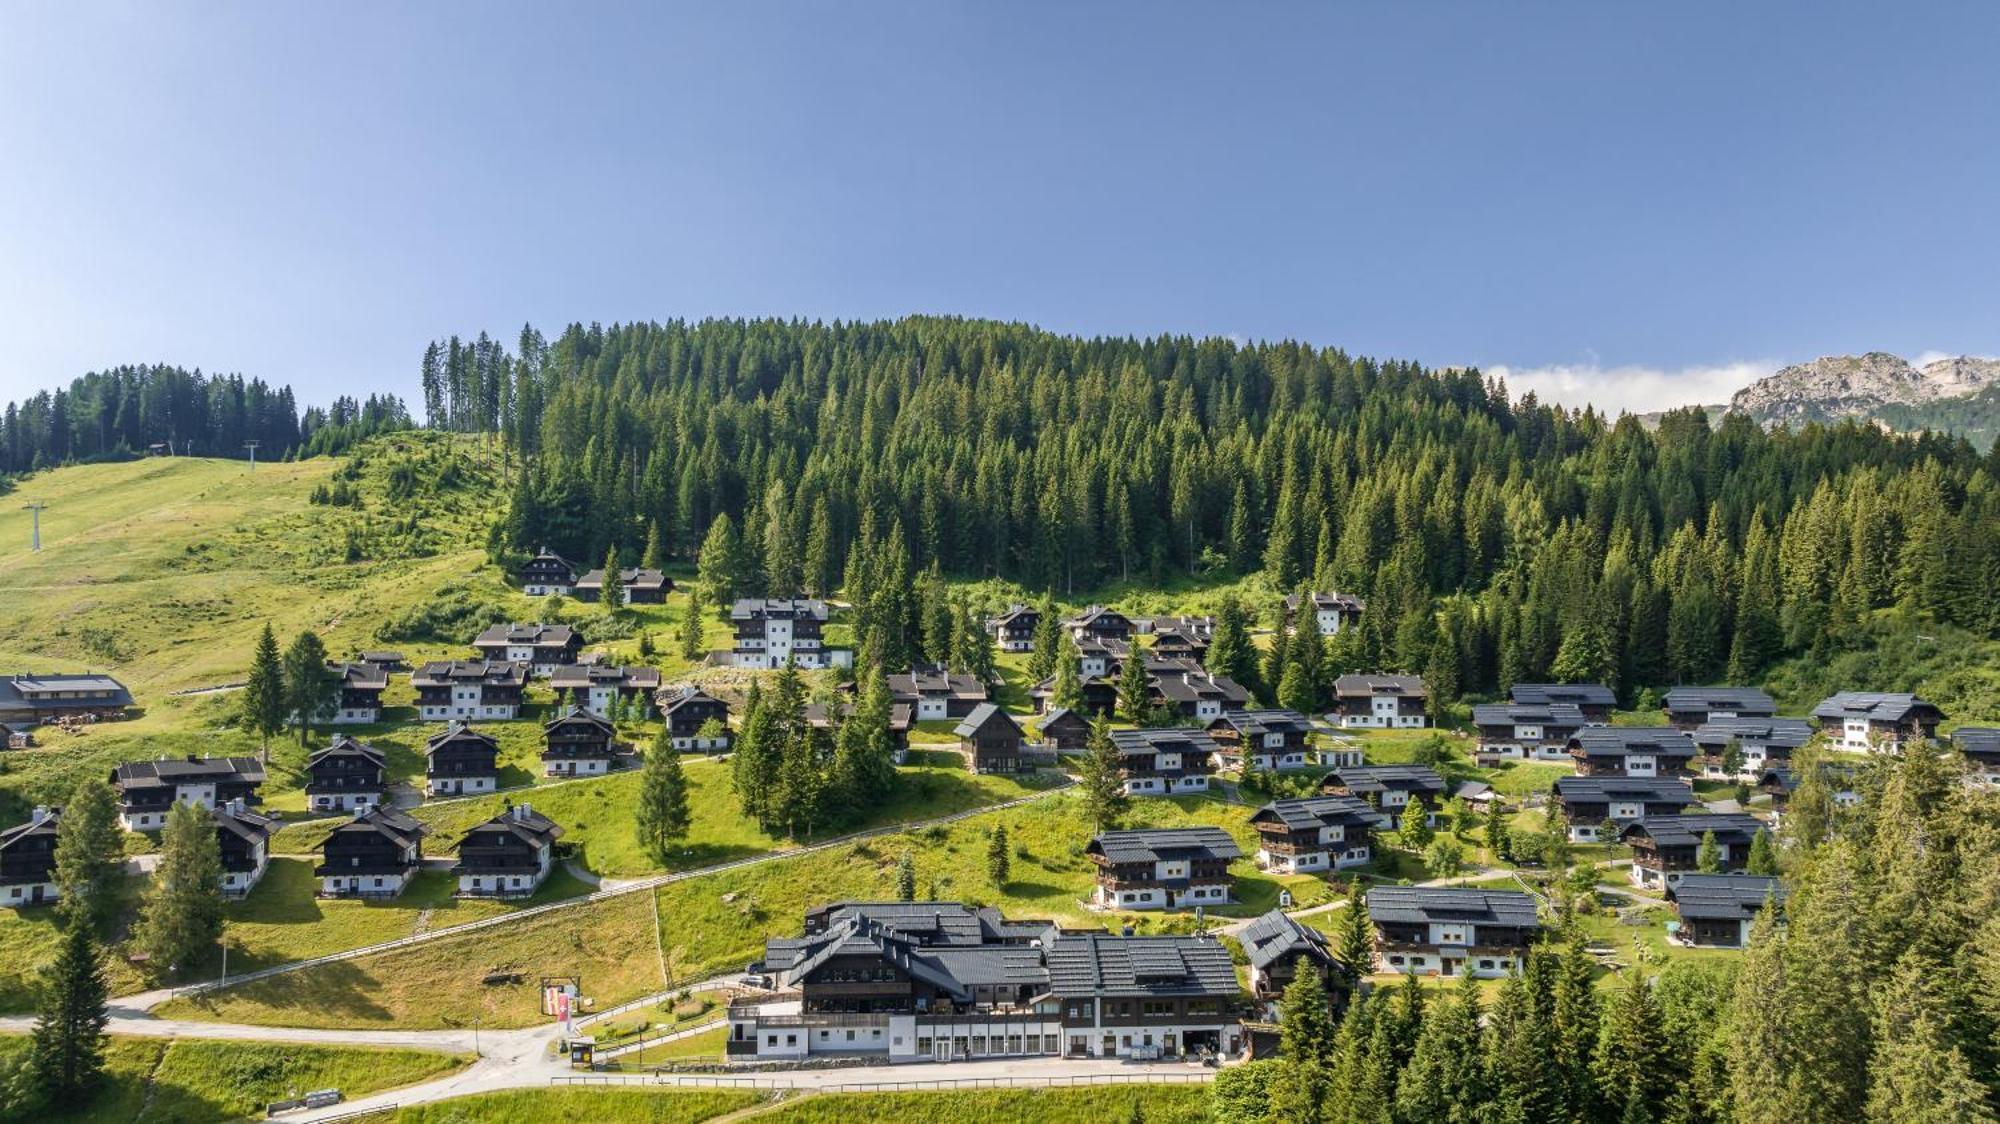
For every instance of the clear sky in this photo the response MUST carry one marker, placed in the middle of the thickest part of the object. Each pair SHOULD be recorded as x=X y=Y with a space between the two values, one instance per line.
x=1642 y=203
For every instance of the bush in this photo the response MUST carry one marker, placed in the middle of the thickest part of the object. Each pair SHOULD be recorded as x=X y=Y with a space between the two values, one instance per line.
x=453 y=618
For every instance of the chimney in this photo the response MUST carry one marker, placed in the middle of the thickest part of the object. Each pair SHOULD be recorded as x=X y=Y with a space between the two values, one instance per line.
x=521 y=812
x=41 y=814
x=236 y=807
x=361 y=811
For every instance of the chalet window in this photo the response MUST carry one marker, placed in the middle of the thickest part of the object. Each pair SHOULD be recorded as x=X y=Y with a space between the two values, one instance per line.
x=1157 y=1007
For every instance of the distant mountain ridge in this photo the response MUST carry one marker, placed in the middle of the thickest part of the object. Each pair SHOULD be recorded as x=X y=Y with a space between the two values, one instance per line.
x=1960 y=394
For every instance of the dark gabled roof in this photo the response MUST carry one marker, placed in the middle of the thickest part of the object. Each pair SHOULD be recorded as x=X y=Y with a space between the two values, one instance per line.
x=1368 y=686
x=1099 y=964
x=1559 y=715
x=1059 y=714
x=524 y=823
x=1383 y=778
x=1982 y=741
x=177 y=770
x=470 y=671
x=1724 y=897
x=1315 y=812
x=1257 y=723
x=628 y=576
x=244 y=824
x=1875 y=706
x=1424 y=904
x=1132 y=743
x=933 y=923
x=1778 y=733
x=1013 y=613
x=1275 y=934
x=1736 y=828
x=671 y=699
x=458 y=732
x=932 y=680
x=1624 y=741
x=539 y=635
x=379 y=820
x=1649 y=790
x=546 y=555
x=568 y=677
x=362 y=675
x=1094 y=614
x=1344 y=601
x=1155 y=844
x=751 y=608
x=20 y=831
x=1577 y=694
x=1747 y=702
x=344 y=746
x=1194 y=687
x=981 y=716
x=577 y=714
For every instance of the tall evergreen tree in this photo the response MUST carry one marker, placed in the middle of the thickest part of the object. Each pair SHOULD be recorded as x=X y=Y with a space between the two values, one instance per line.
x=181 y=920
x=999 y=860
x=689 y=635
x=90 y=856
x=663 y=815
x=1446 y=1080
x=1355 y=943
x=311 y=691
x=1100 y=779
x=66 y=1049
x=906 y=877
x=1134 y=685
x=265 y=705
x=1048 y=643
x=612 y=594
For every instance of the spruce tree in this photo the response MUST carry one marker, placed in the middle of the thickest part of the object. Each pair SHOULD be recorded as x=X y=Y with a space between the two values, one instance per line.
x=1414 y=828
x=690 y=634
x=753 y=759
x=1305 y=1020
x=906 y=877
x=720 y=564
x=1763 y=858
x=66 y=1049
x=90 y=856
x=310 y=688
x=663 y=815
x=1048 y=642
x=1229 y=652
x=612 y=594
x=1631 y=1056
x=998 y=859
x=1917 y=1071
x=265 y=705
x=1066 y=693
x=1133 y=685
x=1574 y=1015
x=182 y=916
x=1446 y=1079
x=1100 y=778
x=1355 y=943
x=655 y=554
x=864 y=756
x=1708 y=857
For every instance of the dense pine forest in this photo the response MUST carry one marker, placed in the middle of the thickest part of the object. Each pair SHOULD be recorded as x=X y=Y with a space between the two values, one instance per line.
x=126 y=410
x=1497 y=539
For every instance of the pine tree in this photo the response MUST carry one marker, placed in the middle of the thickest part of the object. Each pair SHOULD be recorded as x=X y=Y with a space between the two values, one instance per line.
x=1229 y=652
x=663 y=815
x=182 y=916
x=1574 y=1018
x=720 y=563
x=1917 y=1072
x=998 y=859
x=90 y=856
x=310 y=688
x=1414 y=827
x=612 y=593
x=1305 y=1019
x=265 y=706
x=906 y=877
x=66 y=1050
x=1631 y=1058
x=690 y=635
x=1519 y=1046
x=655 y=555
x=754 y=760
x=1100 y=779
x=1133 y=685
x=1066 y=693
x=1048 y=643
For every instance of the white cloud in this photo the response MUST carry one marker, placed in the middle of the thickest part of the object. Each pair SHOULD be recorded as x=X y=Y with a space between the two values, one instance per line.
x=1635 y=389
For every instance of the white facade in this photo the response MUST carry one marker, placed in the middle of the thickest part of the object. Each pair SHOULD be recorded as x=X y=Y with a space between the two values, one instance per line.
x=237 y=883
x=356 y=716
x=31 y=893
x=547 y=589
x=1385 y=712
x=578 y=767
x=1280 y=762
x=1340 y=758
x=459 y=786
x=1166 y=786
x=1333 y=858
x=201 y=794
x=468 y=702
x=344 y=801
x=698 y=743
x=508 y=885
x=338 y=885
x=1485 y=966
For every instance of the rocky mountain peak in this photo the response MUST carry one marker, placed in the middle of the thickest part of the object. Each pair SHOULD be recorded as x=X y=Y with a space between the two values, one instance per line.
x=1837 y=386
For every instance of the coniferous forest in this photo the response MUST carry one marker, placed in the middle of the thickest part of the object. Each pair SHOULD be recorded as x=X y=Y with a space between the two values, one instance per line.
x=1497 y=539
x=124 y=411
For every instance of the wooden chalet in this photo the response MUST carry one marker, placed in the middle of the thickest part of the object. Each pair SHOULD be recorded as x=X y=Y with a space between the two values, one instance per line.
x=548 y=573
x=1589 y=802
x=461 y=690
x=604 y=690
x=1163 y=868
x=1381 y=702
x=1267 y=741
x=373 y=855
x=1193 y=692
x=1065 y=730
x=28 y=859
x=1314 y=834
x=148 y=790
x=1525 y=731
x=1452 y=931
x=1716 y=910
x=244 y=837
x=936 y=694
x=1279 y=948
x=819 y=717
x=577 y=743
x=1099 y=696
x=508 y=856
x=361 y=684
x=1389 y=788
x=461 y=761
x=1014 y=630
x=992 y=742
x=1664 y=848
x=1979 y=746
x=642 y=586
x=1167 y=761
x=1631 y=751
x=1329 y=612
x=1762 y=743
x=541 y=647
x=685 y=710
x=1100 y=623
x=346 y=775
x=1689 y=707
x=1866 y=721
x=1595 y=700
x=38 y=699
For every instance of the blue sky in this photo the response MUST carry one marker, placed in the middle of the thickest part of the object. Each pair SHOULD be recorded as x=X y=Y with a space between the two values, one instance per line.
x=1636 y=203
